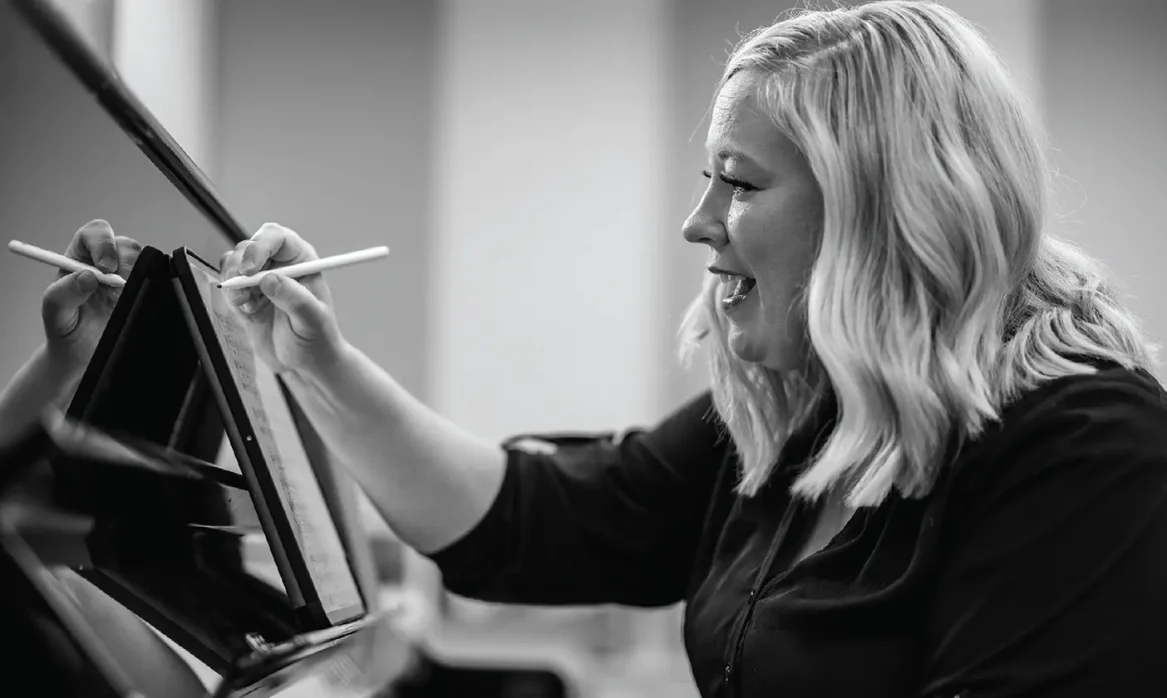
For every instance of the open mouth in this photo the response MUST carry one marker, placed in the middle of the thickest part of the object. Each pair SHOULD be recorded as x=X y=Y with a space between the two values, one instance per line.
x=737 y=289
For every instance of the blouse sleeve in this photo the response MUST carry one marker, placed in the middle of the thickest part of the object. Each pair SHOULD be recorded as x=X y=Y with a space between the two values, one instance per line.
x=596 y=519
x=1054 y=581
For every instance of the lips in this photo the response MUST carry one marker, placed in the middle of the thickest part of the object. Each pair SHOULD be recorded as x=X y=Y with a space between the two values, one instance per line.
x=736 y=287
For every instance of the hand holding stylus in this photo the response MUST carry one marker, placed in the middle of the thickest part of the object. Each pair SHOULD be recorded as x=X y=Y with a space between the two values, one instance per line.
x=77 y=306
x=288 y=313
x=63 y=263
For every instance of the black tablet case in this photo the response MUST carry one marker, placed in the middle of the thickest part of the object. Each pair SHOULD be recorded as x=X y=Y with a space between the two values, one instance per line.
x=143 y=385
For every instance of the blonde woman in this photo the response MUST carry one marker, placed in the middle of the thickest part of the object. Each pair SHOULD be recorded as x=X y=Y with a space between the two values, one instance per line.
x=933 y=461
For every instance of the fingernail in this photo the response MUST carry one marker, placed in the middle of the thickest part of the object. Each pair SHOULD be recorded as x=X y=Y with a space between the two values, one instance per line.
x=270 y=283
x=86 y=281
x=248 y=307
x=108 y=263
x=247 y=266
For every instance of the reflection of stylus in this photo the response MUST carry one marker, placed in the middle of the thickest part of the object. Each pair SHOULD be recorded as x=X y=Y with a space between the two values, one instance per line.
x=314 y=267
x=60 y=261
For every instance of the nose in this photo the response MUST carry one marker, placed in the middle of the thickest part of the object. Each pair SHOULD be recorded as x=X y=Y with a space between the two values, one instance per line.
x=703 y=227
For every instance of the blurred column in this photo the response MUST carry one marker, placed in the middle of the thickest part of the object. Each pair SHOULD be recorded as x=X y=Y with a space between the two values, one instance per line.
x=547 y=195
x=547 y=198
x=165 y=53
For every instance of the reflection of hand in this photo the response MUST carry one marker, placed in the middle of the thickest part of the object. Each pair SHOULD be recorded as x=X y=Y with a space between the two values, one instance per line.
x=76 y=307
x=290 y=321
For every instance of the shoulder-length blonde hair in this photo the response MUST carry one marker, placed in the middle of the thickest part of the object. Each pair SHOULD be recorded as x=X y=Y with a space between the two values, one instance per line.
x=936 y=296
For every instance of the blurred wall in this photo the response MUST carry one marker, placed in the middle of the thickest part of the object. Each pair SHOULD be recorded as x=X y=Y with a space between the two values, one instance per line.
x=1105 y=83
x=165 y=52
x=325 y=124
x=547 y=214
x=63 y=162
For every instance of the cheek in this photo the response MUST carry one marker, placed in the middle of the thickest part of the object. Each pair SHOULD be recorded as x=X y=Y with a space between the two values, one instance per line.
x=782 y=270
x=776 y=237
x=780 y=295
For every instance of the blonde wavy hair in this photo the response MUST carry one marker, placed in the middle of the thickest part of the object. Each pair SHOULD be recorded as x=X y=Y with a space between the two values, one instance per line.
x=936 y=295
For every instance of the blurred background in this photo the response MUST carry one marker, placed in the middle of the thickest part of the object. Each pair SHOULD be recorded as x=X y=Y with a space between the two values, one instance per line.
x=530 y=163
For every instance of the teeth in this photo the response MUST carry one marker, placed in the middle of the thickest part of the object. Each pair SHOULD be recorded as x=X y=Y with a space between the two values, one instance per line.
x=736 y=291
x=743 y=286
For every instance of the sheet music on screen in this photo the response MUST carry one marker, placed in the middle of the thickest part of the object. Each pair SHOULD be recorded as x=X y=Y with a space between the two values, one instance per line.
x=279 y=440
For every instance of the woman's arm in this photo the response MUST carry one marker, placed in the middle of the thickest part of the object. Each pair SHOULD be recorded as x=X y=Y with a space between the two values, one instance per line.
x=596 y=518
x=38 y=384
x=593 y=519
x=602 y=523
x=430 y=480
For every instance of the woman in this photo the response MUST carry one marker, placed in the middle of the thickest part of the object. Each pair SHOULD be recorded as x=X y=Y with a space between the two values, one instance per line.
x=932 y=461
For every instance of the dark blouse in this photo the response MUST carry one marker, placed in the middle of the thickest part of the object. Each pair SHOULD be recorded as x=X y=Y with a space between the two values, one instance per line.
x=1037 y=566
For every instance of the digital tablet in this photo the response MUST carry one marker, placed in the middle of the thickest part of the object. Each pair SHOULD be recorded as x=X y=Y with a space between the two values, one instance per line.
x=261 y=428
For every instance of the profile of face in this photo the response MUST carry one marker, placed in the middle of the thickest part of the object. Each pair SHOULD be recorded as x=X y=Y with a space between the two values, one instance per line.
x=760 y=216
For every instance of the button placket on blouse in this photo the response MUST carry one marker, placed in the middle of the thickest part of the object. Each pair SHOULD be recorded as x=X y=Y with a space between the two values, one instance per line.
x=759 y=581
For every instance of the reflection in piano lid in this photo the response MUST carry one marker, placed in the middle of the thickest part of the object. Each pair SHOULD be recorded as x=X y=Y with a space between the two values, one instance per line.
x=361 y=663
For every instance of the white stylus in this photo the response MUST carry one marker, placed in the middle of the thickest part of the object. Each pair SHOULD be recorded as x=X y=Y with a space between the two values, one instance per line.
x=60 y=261
x=316 y=266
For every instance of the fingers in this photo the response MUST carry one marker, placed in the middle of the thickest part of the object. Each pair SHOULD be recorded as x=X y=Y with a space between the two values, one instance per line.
x=128 y=250
x=63 y=299
x=94 y=243
x=274 y=245
x=245 y=299
x=308 y=315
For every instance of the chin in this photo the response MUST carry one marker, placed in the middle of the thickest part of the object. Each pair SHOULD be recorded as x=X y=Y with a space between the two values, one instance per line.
x=782 y=357
x=746 y=348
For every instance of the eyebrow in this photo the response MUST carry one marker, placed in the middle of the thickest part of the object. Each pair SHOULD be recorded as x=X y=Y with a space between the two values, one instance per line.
x=731 y=154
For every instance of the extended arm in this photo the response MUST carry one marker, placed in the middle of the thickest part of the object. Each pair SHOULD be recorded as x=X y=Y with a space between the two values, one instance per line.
x=600 y=518
x=609 y=511
x=430 y=480
x=38 y=384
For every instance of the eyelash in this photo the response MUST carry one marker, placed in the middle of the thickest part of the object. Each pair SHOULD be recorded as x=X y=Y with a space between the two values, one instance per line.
x=737 y=184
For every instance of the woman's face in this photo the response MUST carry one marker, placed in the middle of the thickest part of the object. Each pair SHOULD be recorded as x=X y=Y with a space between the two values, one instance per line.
x=760 y=216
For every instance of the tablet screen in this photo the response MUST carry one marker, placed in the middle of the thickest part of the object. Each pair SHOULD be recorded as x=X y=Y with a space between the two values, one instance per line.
x=279 y=440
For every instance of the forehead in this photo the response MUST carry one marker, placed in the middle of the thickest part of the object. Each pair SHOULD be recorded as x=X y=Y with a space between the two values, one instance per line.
x=739 y=122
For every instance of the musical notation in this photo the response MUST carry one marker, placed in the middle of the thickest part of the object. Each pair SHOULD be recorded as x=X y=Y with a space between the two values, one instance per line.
x=279 y=441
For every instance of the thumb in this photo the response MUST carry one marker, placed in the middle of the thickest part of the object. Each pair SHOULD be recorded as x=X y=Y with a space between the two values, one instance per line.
x=62 y=300
x=309 y=316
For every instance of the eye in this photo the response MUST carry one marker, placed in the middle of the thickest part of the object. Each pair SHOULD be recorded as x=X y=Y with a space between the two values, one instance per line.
x=739 y=186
